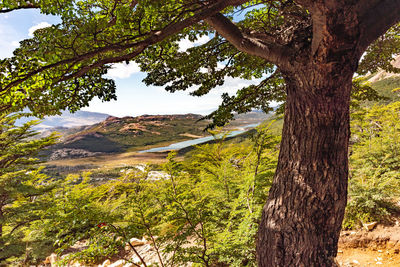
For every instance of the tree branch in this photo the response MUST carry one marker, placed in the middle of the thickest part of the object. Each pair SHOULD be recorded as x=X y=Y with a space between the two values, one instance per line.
x=21 y=224
x=130 y=245
x=27 y=6
x=247 y=43
x=153 y=37
x=376 y=19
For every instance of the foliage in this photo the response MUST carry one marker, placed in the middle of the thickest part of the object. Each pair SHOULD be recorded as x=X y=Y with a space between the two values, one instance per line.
x=76 y=210
x=204 y=210
x=363 y=92
x=379 y=54
x=101 y=244
x=387 y=88
x=375 y=164
x=69 y=60
x=271 y=42
x=21 y=185
x=214 y=200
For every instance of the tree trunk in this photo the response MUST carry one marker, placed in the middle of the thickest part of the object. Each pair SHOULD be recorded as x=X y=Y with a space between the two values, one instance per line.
x=302 y=218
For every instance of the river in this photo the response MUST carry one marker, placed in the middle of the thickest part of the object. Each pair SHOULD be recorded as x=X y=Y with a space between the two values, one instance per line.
x=197 y=141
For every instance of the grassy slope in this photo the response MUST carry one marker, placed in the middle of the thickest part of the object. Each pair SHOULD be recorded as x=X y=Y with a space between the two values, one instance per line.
x=116 y=135
x=385 y=88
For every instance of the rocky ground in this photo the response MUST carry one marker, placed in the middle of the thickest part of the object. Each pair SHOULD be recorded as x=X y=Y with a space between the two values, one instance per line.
x=379 y=246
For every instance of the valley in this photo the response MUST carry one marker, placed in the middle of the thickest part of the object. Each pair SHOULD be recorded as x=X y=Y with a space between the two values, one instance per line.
x=127 y=134
x=116 y=143
x=108 y=190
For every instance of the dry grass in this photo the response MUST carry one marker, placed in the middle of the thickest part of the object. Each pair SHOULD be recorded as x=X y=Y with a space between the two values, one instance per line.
x=114 y=160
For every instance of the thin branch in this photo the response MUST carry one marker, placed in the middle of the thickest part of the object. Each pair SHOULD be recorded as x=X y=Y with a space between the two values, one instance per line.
x=131 y=246
x=146 y=225
x=21 y=224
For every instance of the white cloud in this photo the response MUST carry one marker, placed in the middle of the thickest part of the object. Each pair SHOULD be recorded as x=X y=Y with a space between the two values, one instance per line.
x=41 y=25
x=232 y=85
x=123 y=70
x=15 y=43
x=185 y=44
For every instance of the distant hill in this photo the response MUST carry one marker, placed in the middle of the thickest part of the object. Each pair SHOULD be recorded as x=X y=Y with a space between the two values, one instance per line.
x=115 y=135
x=384 y=83
x=68 y=120
x=120 y=134
x=253 y=117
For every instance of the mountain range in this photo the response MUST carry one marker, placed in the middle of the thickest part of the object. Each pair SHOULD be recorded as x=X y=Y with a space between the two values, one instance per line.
x=67 y=120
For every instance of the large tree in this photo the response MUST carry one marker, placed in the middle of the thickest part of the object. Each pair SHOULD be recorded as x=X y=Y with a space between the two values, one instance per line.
x=305 y=52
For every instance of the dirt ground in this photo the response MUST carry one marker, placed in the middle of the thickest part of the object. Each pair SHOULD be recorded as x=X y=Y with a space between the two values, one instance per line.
x=367 y=257
x=378 y=247
x=114 y=160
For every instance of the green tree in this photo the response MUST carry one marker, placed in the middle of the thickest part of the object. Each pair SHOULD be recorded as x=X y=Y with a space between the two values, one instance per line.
x=76 y=211
x=305 y=52
x=375 y=164
x=21 y=185
x=240 y=175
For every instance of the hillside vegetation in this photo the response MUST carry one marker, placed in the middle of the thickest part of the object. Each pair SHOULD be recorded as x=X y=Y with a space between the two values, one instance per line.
x=205 y=208
x=202 y=209
x=119 y=134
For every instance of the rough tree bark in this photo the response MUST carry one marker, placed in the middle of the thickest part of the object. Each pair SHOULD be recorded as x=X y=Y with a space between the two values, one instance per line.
x=302 y=218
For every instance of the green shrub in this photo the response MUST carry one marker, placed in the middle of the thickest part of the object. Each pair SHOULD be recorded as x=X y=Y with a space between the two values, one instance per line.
x=374 y=185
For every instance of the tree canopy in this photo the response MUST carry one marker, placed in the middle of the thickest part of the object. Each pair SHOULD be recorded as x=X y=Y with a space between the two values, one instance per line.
x=64 y=66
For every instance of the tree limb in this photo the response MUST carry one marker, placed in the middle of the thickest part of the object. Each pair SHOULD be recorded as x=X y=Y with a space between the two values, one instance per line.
x=273 y=52
x=153 y=37
x=27 y=6
x=376 y=19
x=22 y=224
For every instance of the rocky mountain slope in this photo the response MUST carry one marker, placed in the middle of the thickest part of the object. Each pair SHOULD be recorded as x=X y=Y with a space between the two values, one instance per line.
x=120 y=134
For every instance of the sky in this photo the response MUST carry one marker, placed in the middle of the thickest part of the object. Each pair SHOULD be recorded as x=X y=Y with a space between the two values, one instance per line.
x=133 y=96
